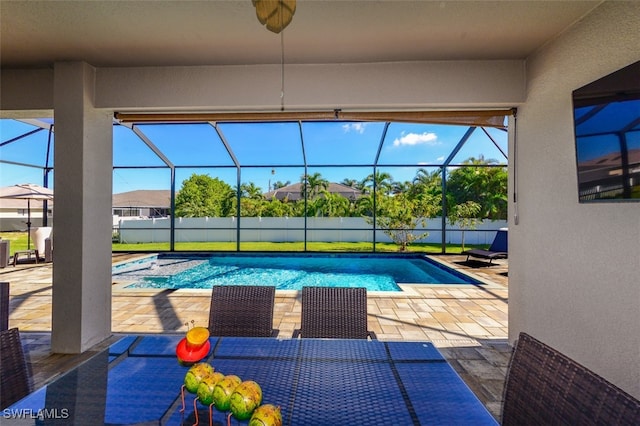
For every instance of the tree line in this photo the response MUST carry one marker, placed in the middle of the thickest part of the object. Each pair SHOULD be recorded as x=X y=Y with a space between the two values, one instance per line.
x=473 y=190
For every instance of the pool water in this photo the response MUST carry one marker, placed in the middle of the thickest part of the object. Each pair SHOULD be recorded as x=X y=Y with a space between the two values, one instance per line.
x=286 y=271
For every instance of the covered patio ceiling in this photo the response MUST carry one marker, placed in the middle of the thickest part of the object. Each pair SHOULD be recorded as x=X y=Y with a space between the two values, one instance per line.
x=35 y=34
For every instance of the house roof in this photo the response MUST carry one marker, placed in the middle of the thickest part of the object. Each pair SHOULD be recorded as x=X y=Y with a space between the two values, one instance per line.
x=9 y=204
x=293 y=192
x=143 y=198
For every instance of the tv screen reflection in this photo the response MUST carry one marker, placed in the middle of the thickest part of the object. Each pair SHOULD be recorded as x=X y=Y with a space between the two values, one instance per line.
x=607 y=137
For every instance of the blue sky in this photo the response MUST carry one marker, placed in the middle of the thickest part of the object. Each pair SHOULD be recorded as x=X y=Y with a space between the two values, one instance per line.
x=597 y=135
x=267 y=152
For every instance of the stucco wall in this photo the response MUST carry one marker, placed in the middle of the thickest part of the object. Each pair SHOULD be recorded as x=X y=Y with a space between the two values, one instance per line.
x=574 y=269
x=397 y=85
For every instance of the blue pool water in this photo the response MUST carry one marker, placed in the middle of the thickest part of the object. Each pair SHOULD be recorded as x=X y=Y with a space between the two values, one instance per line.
x=285 y=271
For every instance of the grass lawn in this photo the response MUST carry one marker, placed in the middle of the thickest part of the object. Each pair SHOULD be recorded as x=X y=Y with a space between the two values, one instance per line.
x=286 y=246
x=18 y=241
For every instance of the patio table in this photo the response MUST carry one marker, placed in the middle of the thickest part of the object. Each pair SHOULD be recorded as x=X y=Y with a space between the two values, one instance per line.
x=27 y=253
x=137 y=380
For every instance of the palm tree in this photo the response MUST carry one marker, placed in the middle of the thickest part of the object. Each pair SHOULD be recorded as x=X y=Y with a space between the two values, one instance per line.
x=484 y=185
x=332 y=205
x=382 y=182
x=426 y=182
x=364 y=205
x=312 y=185
x=400 y=187
x=362 y=186
x=352 y=183
x=250 y=190
x=279 y=184
x=426 y=178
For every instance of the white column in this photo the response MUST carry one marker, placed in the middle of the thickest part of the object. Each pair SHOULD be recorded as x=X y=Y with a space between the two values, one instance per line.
x=83 y=155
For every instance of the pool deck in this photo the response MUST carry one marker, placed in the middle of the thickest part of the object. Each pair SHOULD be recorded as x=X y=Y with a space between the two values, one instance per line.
x=467 y=323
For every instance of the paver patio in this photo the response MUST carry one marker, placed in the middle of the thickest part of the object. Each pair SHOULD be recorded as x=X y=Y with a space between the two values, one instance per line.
x=467 y=323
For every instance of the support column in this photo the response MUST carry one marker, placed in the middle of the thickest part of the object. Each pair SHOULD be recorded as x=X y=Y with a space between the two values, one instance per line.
x=81 y=312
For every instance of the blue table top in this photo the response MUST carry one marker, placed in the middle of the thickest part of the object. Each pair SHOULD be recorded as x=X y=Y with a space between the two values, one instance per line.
x=315 y=381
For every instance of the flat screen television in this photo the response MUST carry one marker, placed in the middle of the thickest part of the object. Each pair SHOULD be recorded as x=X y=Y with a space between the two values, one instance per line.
x=606 y=116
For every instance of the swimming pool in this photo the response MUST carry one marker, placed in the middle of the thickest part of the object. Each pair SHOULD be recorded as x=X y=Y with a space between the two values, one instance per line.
x=286 y=271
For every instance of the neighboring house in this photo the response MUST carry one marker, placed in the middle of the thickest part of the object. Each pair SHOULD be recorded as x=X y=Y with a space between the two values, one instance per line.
x=13 y=214
x=142 y=203
x=146 y=203
x=294 y=192
x=602 y=174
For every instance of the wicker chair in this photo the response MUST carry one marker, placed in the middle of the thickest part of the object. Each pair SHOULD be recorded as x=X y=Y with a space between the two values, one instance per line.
x=334 y=312
x=15 y=380
x=544 y=386
x=244 y=311
x=4 y=306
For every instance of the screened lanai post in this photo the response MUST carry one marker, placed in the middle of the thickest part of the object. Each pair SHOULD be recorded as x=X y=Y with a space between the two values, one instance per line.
x=494 y=142
x=172 y=218
x=238 y=206
x=306 y=174
x=443 y=219
x=233 y=157
x=375 y=163
x=158 y=152
x=446 y=163
x=45 y=178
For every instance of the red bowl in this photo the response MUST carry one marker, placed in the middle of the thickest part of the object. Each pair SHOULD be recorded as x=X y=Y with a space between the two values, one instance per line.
x=192 y=354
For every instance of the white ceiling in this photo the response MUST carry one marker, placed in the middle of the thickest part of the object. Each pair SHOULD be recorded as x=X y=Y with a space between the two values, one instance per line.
x=163 y=33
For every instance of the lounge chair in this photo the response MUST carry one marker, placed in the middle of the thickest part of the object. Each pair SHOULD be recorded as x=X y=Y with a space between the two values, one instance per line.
x=244 y=311
x=334 y=312
x=497 y=250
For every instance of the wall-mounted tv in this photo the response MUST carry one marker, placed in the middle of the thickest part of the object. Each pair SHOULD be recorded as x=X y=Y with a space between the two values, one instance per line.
x=607 y=134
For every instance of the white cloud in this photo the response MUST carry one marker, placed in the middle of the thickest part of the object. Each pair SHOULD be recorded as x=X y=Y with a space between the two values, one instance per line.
x=416 y=139
x=354 y=127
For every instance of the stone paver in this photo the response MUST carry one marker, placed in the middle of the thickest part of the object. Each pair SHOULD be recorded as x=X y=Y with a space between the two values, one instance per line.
x=467 y=323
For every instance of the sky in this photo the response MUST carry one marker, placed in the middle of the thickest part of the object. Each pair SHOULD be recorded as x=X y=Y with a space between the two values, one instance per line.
x=267 y=152
x=597 y=134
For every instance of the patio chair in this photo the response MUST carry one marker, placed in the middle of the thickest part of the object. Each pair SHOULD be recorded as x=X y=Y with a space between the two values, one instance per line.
x=497 y=250
x=39 y=236
x=244 y=311
x=334 y=312
x=4 y=306
x=15 y=380
x=543 y=386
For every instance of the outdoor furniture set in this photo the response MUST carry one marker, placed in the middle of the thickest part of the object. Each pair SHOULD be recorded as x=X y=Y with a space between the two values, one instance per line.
x=542 y=386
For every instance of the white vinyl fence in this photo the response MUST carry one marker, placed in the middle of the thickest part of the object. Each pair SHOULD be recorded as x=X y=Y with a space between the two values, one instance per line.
x=286 y=229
